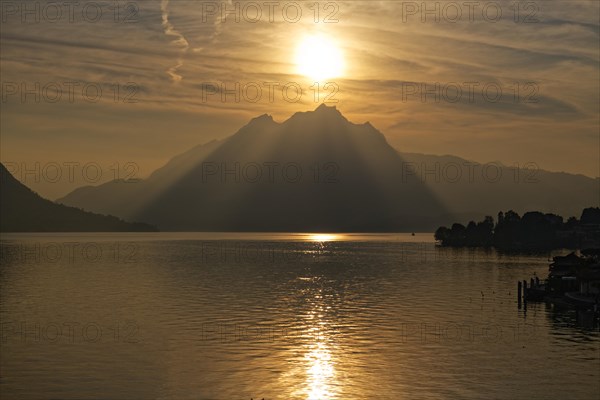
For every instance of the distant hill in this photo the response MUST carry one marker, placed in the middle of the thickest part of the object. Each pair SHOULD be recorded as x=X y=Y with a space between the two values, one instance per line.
x=22 y=210
x=478 y=193
x=351 y=180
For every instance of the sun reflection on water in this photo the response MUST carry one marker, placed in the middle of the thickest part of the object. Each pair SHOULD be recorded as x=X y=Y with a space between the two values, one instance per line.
x=319 y=364
x=320 y=372
x=323 y=237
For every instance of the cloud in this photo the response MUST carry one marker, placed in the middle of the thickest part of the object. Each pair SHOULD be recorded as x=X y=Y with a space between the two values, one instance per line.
x=180 y=41
x=172 y=42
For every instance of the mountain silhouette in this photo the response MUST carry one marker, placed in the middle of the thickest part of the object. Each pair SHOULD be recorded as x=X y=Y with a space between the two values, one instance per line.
x=350 y=179
x=520 y=188
x=314 y=172
x=22 y=210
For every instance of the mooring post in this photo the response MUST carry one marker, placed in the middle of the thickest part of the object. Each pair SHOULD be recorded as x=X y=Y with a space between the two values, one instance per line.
x=525 y=290
x=519 y=292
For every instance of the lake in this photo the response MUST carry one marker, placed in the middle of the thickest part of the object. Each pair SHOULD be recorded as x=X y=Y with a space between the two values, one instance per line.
x=281 y=316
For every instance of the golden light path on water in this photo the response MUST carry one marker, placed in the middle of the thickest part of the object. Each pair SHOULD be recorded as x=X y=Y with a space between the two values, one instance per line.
x=320 y=371
x=313 y=374
x=313 y=377
x=323 y=237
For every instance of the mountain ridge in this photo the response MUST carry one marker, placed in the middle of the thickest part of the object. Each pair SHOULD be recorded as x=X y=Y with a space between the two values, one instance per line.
x=23 y=210
x=374 y=191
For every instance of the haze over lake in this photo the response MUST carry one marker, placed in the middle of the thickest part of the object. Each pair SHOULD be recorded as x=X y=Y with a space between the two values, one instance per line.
x=281 y=316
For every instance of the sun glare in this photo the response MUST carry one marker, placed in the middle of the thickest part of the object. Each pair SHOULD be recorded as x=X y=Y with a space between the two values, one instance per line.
x=322 y=237
x=319 y=58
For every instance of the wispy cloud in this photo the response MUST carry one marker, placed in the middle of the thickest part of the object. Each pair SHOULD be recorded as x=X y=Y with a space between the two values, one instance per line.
x=180 y=41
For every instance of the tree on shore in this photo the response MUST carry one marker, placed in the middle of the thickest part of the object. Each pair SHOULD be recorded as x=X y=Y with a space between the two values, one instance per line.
x=535 y=230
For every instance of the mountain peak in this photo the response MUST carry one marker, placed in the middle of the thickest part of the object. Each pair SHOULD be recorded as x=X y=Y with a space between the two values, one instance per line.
x=325 y=107
x=326 y=110
x=263 y=118
x=321 y=113
x=261 y=122
x=266 y=117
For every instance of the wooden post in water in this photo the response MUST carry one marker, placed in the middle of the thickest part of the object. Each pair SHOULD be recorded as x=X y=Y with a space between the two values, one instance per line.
x=531 y=283
x=524 y=290
x=519 y=292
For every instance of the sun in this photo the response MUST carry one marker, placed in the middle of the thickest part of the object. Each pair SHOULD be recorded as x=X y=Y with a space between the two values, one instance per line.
x=319 y=58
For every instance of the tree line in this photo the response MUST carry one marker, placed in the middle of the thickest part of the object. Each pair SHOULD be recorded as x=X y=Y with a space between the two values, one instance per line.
x=534 y=230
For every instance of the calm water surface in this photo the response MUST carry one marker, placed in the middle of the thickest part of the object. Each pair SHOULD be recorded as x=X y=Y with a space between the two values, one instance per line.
x=281 y=316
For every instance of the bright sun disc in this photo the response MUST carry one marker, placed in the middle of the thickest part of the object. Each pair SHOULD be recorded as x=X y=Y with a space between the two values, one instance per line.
x=319 y=58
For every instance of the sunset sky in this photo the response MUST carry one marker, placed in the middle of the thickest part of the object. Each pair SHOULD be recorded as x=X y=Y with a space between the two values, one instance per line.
x=165 y=58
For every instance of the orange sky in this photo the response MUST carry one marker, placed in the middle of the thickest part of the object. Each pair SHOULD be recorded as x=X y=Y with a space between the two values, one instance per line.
x=521 y=86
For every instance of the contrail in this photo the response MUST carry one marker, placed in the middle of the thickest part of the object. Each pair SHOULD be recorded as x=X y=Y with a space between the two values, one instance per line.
x=180 y=41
